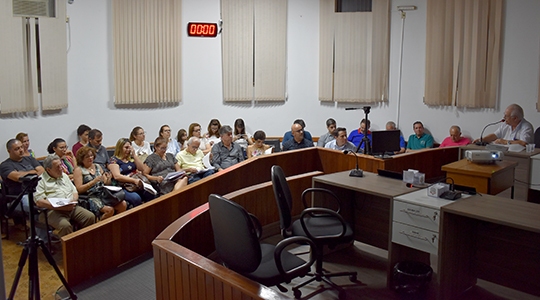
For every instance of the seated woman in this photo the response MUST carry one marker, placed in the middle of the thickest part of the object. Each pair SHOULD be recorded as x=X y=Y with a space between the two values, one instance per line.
x=89 y=179
x=123 y=166
x=159 y=164
x=82 y=133
x=23 y=138
x=212 y=136
x=172 y=144
x=141 y=147
x=240 y=136
x=195 y=130
x=259 y=147
x=59 y=147
x=181 y=138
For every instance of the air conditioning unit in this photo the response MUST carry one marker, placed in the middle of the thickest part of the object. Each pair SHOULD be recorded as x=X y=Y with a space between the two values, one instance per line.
x=34 y=8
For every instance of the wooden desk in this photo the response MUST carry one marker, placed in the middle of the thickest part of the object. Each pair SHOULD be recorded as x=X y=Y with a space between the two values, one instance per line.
x=368 y=208
x=492 y=238
x=522 y=173
x=486 y=178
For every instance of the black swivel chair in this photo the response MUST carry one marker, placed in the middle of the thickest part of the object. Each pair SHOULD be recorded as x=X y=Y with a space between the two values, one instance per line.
x=236 y=237
x=325 y=227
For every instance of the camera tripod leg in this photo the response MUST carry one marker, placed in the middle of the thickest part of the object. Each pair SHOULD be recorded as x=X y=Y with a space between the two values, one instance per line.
x=33 y=272
x=51 y=261
x=22 y=262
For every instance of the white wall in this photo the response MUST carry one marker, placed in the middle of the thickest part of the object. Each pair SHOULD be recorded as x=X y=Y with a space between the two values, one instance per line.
x=91 y=86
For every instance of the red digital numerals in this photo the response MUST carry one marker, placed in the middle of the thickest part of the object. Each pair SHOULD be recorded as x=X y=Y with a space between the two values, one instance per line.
x=202 y=29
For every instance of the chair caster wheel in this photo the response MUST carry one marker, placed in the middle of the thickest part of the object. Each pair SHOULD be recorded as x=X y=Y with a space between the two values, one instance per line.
x=342 y=295
x=352 y=278
x=297 y=294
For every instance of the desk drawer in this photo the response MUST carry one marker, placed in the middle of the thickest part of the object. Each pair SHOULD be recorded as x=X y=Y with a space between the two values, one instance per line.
x=416 y=238
x=416 y=215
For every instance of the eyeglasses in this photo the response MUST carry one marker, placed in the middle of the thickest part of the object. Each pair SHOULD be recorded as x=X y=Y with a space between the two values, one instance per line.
x=214 y=124
x=300 y=130
x=162 y=148
x=167 y=130
x=142 y=132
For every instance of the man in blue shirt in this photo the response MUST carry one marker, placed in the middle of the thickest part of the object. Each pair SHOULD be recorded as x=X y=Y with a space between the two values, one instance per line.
x=356 y=136
x=419 y=140
x=390 y=125
x=298 y=141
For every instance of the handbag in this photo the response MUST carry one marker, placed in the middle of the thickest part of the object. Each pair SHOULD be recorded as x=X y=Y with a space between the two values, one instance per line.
x=132 y=187
x=110 y=198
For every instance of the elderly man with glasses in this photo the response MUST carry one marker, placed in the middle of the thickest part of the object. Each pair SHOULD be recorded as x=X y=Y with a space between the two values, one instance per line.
x=191 y=161
x=514 y=130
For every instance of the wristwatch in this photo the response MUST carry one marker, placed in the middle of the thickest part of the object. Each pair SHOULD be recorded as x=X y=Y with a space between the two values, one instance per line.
x=508 y=142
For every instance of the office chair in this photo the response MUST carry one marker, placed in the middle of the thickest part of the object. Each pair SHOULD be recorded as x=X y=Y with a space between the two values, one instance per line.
x=325 y=227
x=237 y=245
x=537 y=137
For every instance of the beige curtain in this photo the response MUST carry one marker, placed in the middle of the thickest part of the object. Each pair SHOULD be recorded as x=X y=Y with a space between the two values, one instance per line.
x=463 y=44
x=18 y=86
x=237 y=49
x=53 y=52
x=254 y=50
x=270 y=50
x=360 y=54
x=147 y=51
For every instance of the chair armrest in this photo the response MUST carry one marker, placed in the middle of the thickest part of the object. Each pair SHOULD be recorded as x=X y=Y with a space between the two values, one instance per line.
x=323 y=191
x=257 y=225
x=302 y=269
x=320 y=212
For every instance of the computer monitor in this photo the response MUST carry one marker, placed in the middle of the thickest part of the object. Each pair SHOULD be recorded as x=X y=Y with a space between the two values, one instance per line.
x=385 y=141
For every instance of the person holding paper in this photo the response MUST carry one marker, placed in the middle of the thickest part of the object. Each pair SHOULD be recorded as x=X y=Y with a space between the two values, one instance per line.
x=90 y=179
x=55 y=184
x=124 y=164
x=190 y=160
x=258 y=147
x=159 y=164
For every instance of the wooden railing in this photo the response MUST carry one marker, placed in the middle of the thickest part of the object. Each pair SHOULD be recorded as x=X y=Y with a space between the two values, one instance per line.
x=182 y=268
x=128 y=235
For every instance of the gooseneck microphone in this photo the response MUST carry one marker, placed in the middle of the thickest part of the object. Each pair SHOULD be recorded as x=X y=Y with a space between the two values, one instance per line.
x=481 y=142
x=356 y=172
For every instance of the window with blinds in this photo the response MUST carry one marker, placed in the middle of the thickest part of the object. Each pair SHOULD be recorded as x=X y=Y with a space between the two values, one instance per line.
x=354 y=53
x=147 y=51
x=463 y=47
x=254 y=50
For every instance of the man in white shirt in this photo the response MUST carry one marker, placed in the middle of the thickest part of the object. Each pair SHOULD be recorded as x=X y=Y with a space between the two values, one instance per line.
x=340 y=142
x=514 y=130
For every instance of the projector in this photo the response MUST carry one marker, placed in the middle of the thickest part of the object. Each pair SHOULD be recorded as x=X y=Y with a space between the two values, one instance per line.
x=483 y=156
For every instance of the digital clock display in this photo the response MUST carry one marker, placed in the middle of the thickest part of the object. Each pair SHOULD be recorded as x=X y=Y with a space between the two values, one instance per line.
x=197 y=29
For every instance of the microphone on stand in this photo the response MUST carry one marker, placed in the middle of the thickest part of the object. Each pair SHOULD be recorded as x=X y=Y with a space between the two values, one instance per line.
x=482 y=143
x=352 y=108
x=356 y=172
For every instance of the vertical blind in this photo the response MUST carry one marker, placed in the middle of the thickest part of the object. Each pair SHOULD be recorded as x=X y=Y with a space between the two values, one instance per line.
x=357 y=47
x=463 y=45
x=18 y=66
x=147 y=51
x=254 y=50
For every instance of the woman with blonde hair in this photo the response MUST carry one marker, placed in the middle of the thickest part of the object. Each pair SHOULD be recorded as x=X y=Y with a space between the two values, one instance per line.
x=127 y=168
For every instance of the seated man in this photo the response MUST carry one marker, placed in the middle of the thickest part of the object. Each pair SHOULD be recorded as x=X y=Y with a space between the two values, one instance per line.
x=191 y=161
x=390 y=125
x=328 y=136
x=419 y=140
x=515 y=129
x=340 y=142
x=226 y=153
x=298 y=141
x=16 y=166
x=55 y=183
x=95 y=137
x=356 y=136
x=455 y=138
x=288 y=135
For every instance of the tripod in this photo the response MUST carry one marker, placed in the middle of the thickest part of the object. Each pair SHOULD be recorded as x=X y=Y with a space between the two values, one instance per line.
x=365 y=140
x=31 y=245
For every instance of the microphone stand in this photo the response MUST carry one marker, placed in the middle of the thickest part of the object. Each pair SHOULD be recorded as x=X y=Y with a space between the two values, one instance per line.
x=356 y=172
x=481 y=142
x=365 y=140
